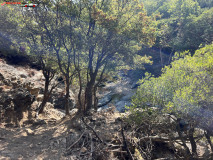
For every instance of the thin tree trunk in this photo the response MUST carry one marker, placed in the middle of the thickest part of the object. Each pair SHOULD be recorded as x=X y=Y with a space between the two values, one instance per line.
x=44 y=101
x=170 y=56
x=161 y=57
x=207 y=135
x=192 y=141
x=67 y=88
x=79 y=93
x=95 y=98
x=188 y=153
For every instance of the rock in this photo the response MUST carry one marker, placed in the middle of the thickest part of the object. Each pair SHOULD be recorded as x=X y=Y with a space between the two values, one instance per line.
x=39 y=122
x=105 y=100
x=6 y=82
x=23 y=75
x=115 y=77
x=13 y=78
x=73 y=111
x=15 y=102
x=40 y=97
x=58 y=99
x=34 y=91
x=1 y=77
x=49 y=105
x=35 y=105
x=83 y=150
x=120 y=106
x=29 y=131
x=14 y=84
x=101 y=85
x=135 y=85
x=127 y=97
x=59 y=103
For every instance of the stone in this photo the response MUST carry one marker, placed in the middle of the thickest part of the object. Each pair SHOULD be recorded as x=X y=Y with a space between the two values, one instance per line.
x=29 y=131
x=13 y=78
x=23 y=75
x=34 y=91
x=120 y=106
x=39 y=122
x=40 y=97
x=105 y=100
x=135 y=86
x=84 y=149
x=15 y=102
x=49 y=105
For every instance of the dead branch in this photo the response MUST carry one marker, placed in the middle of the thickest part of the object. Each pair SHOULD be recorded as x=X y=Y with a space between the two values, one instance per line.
x=125 y=143
x=76 y=141
x=89 y=127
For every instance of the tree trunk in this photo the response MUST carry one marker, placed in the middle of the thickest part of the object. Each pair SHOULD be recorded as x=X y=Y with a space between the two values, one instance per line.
x=188 y=153
x=46 y=97
x=192 y=141
x=161 y=58
x=88 y=97
x=95 y=98
x=207 y=135
x=79 y=93
x=67 y=88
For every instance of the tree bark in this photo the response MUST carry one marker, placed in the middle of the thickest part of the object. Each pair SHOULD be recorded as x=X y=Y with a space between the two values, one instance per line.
x=89 y=96
x=207 y=135
x=192 y=141
x=45 y=99
x=188 y=153
x=161 y=58
x=67 y=89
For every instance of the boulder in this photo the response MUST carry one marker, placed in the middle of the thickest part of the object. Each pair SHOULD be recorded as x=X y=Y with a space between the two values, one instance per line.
x=40 y=97
x=14 y=103
x=135 y=86
x=105 y=100
x=120 y=106
x=58 y=99
x=23 y=75
x=13 y=78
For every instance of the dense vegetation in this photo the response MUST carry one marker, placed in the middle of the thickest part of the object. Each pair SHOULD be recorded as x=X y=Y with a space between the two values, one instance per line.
x=84 y=41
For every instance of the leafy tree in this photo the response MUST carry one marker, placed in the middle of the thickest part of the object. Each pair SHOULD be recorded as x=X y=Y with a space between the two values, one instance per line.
x=113 y=31
x=184 y=90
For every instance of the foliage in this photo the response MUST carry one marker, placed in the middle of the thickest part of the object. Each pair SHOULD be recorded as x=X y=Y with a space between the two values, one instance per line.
x=182 y=25
x=183 y=89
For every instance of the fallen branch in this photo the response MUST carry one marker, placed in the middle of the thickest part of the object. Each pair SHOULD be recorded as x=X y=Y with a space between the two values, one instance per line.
x=92 y=130
x=76 y=141
x=125 y=143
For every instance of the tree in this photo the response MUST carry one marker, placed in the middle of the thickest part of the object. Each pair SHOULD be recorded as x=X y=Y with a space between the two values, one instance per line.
x=184 y=90
x=113 y=32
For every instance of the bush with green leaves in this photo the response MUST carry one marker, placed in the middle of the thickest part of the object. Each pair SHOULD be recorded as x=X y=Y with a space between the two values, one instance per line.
x=185 y=87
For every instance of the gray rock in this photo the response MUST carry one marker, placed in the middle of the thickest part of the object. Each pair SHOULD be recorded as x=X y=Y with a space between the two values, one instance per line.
x=135 y=86
x=105 y=100
x=39 y=122
x=23 y=75
x=120 y=106
x=127 y=97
